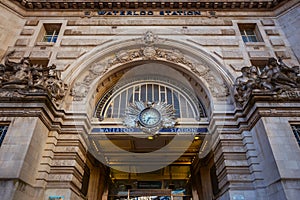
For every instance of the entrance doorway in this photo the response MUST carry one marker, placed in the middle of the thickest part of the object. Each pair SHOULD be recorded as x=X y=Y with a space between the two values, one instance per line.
x=151 y=125
x=171 y=182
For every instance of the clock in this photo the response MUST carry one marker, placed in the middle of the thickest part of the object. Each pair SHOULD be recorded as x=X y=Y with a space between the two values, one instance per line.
x=150 y=117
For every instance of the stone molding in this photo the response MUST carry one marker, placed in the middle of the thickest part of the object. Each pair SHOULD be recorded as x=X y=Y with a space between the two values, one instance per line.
x=122 y=4
x=149 y=51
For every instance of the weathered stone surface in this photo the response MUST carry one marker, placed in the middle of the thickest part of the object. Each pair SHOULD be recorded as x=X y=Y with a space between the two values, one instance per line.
x=68 y=54
x=17 y=55
x=250 y=160
x=259 y=54
x=272 y=32
x=217 y=42
x=10 y=26
x=268 y=22
x=32 y=22
x=40 y=55
x=233 y=54
x=190 y=30
x=154 y=21
x=27 y=32
x=81 y=42
x=277 y=42
x=237 y=65
x=228 y=32
x=283 y=54
x=289 y=22
x=22 y=42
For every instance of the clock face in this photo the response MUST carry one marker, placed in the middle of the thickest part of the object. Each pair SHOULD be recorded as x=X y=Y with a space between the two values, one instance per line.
x=149 y=117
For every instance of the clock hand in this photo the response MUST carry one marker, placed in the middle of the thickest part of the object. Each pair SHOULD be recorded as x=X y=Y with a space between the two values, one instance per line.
x=146 y=119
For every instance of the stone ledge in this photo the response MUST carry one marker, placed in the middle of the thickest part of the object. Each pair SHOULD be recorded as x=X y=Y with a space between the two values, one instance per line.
x=272 y=32
x=33 y=22
x=81 y=42
x=277 y=42
x=148 y=22
x=68 y=54
x=27 y=32
x=22 y=42
x=283 y=54
x=259 y=54
x=233 y=54
x=40 y=55
x=217 y=42
x=268 y=22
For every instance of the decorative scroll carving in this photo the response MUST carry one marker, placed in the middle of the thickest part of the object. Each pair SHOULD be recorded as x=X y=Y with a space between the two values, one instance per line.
x=216 y=85
x=275 y=77
x=149 y=52
x=81 y=89
x=30 y=79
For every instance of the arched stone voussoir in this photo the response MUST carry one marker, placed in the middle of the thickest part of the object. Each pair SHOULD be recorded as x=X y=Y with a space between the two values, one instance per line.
x=85 y=75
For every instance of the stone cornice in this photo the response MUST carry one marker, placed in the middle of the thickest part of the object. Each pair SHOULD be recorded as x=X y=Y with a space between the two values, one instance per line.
x=150 y=4
x=41 y=106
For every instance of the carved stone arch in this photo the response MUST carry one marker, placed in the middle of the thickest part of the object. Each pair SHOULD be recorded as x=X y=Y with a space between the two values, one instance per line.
x=111 y=58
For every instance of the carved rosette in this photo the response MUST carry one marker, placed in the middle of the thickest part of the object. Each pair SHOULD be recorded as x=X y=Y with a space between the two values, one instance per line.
x=30 y=80
x=149 y=51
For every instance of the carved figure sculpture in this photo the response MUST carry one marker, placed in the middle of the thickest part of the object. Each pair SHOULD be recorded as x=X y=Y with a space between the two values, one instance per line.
x=241 y=85
x=274 y=77
x=31 y=78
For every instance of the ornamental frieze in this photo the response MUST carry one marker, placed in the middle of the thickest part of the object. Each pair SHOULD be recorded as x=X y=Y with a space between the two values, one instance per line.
x=276 y=79
x=166 y=6
x=20 y=79
x=149 y=51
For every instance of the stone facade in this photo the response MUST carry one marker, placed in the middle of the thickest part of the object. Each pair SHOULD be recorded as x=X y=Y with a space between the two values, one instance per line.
x=51 y=110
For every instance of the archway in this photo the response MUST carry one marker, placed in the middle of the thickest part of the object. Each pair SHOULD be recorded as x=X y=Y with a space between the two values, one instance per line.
x=102 y=89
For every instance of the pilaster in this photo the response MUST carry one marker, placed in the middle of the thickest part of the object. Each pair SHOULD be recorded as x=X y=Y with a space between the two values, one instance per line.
x=67 y=167
x=232 y=168
x=20 y=156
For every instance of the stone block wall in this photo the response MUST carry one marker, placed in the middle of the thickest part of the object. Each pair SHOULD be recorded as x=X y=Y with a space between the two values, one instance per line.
x=290 y=24
x=278 y=156
x=20 y=157
x=219 y=36
x=253 y=159
x=11 y=26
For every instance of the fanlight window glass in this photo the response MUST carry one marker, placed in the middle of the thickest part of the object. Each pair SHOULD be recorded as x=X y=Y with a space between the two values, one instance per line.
x=185 y=105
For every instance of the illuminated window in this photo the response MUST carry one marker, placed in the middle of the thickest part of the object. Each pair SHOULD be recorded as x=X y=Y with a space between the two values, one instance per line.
x=49 y=33
x=250 y=33
x=3 y=130
x=184 y=103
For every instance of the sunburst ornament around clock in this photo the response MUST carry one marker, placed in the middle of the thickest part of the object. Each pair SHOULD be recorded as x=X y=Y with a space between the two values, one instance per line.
x=150 y=117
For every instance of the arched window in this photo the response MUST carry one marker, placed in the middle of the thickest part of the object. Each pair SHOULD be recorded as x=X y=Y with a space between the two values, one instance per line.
x=114 y=103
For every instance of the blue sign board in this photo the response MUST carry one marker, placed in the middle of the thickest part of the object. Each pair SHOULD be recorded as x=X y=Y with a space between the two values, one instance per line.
x=56 y=197
x=186 y=130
